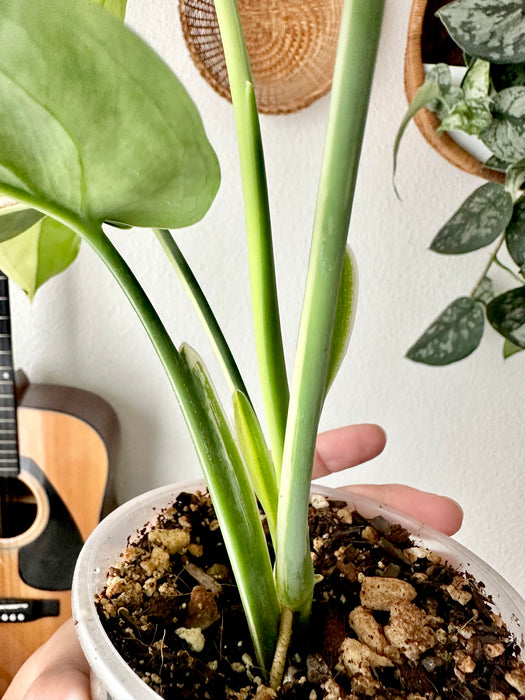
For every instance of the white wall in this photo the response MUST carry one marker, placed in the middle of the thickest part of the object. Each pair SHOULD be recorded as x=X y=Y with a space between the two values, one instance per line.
x=456 y=430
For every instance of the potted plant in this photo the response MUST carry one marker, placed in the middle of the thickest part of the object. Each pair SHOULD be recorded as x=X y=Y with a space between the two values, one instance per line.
x=101 y=131
x=488 y=105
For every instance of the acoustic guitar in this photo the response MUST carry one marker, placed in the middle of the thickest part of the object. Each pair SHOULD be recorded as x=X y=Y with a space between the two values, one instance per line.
x=57 y=447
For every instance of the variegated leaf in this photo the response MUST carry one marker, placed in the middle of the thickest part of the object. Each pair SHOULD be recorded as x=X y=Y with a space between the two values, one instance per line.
x=506 y=135
x=479 y=221
x=515 y=233
x=454 y=334
x=506 y=313
x=490 y=29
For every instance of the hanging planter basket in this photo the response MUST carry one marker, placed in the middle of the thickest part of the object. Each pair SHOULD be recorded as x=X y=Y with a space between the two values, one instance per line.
x=428 y=42
x=291 y=45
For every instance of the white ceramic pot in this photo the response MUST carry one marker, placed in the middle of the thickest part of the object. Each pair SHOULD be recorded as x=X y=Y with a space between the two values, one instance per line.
x=111 y=677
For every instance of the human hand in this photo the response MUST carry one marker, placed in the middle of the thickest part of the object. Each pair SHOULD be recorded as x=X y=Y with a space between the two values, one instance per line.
x=352 y=445
x=59 y=671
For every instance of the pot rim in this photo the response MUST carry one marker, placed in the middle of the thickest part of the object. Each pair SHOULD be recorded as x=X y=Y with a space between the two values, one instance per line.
x=90 y=572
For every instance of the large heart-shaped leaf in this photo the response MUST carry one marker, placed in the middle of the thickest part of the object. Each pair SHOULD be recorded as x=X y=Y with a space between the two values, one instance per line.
x=454 y=334
x=479 y=221
x=506 y=313
x=33 y=257
x=116 y=7
x=506 y=135
x=490 y=29
x=93 y=125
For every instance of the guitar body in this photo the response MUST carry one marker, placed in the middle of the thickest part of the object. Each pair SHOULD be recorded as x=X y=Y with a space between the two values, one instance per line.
x=67 y=440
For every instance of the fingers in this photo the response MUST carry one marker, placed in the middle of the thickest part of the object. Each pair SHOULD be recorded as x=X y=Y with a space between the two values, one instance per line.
x=347 y=447
x=57 y=670
x=60 y=683
x=440 y=512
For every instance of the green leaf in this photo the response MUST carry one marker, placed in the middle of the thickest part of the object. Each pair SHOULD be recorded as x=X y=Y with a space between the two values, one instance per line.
x=344 y=316
x=437 y=85
x=115 y=7
x=470 y=109
x=471 y=117
x=15 y=222
x=93 y=125
x=507 y=75
x=506 y=313
x=515 y=178
x=510 y=349
x=238 y=515
x=257 y=458
x=42 y=251
x=506 y=135
x=479 y=221
x=489 y=29
x=476 y=83
x=515 y=233
x=452 y=336
x=495 y=163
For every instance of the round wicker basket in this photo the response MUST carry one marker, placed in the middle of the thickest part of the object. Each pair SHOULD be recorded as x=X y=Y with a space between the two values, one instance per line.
x=291 y=45
x=427 y=121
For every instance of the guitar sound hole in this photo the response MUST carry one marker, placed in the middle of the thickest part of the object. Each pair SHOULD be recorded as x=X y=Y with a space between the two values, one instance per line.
x=18 y=507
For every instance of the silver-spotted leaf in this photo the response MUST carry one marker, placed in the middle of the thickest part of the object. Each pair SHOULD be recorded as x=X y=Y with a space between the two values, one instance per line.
x=452 y=336
x=505 y=137
x=44 y=250
x=489 y=29
x=506 y=313
x=515 y=233
x=479 y=221
x=472 y=117
x=485 y=290
x=507 y=75
x=93 y=123
x=476 y=83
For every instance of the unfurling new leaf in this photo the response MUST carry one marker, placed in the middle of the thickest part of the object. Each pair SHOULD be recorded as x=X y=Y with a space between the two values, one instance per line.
x=454 y=334
x=344 y=316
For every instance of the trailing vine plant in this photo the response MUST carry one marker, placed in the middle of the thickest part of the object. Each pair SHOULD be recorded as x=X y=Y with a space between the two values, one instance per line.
x=96 y=131
x=489 y=104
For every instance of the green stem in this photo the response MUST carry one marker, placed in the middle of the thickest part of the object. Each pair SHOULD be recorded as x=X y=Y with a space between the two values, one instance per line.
x=268 y=337
x=204 y=310
x=218 y=455
x=489 y=264
x=359 y=37
x=513 y=274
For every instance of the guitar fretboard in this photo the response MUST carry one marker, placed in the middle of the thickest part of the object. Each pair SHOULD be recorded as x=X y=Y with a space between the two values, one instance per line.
x=9 y=464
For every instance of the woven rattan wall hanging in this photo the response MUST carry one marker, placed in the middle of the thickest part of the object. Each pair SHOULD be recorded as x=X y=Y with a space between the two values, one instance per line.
x=291 y=44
